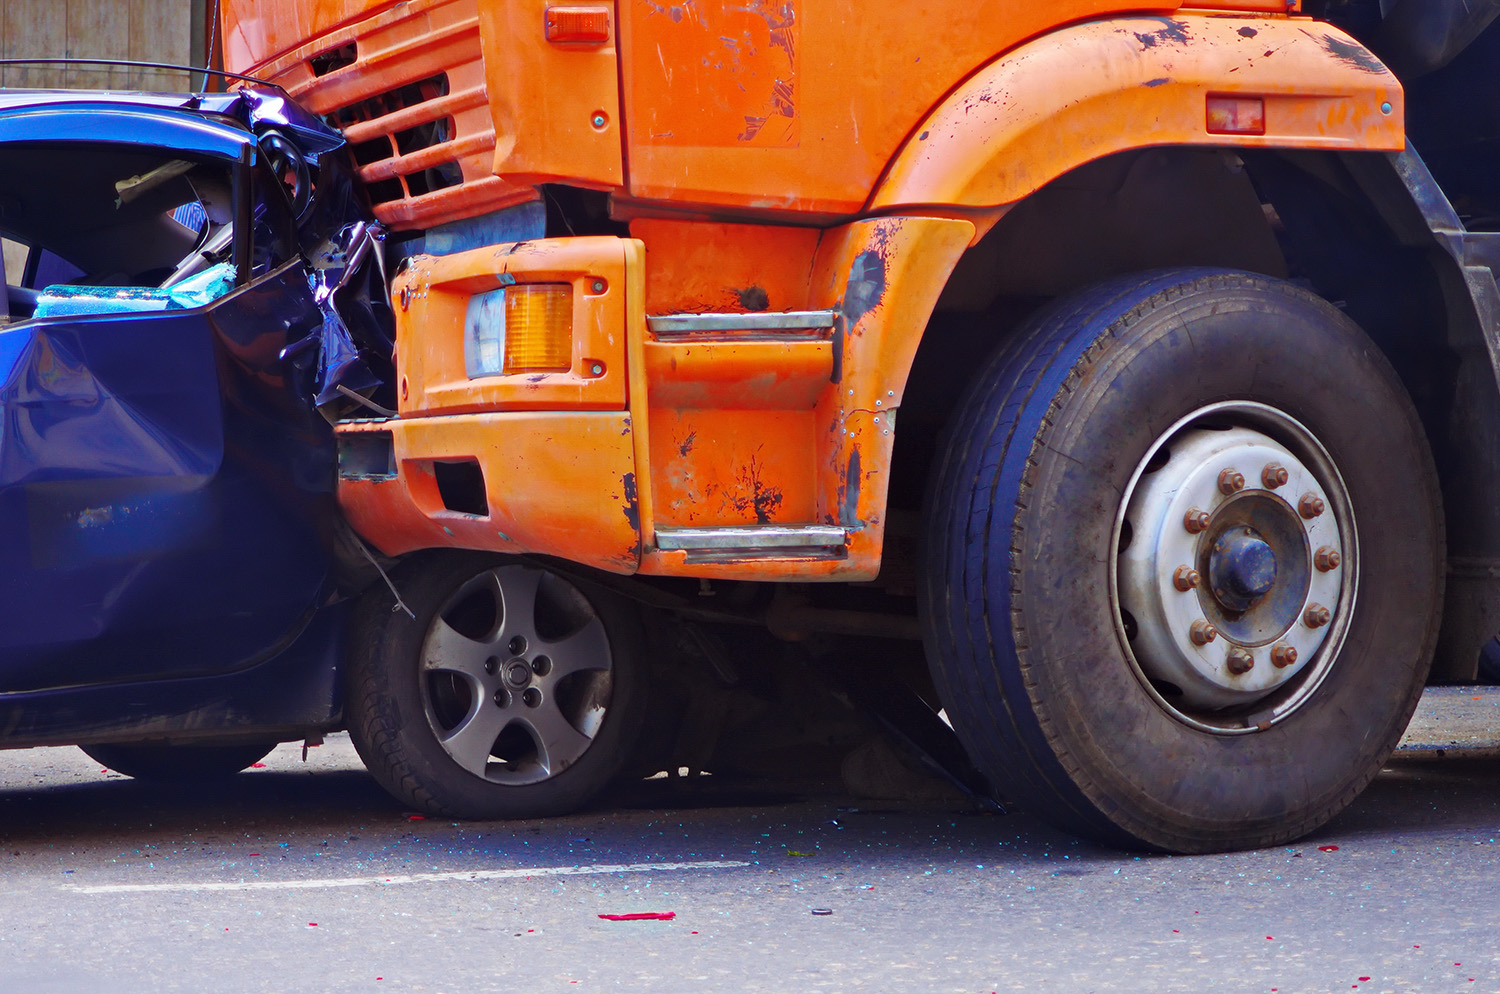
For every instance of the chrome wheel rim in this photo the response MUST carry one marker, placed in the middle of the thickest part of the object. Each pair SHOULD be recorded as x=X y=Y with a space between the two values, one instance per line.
x=1236 y=568
x=516 y=675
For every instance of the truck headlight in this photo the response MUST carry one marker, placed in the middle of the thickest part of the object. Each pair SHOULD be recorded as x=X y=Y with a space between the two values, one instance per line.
x=525 y=328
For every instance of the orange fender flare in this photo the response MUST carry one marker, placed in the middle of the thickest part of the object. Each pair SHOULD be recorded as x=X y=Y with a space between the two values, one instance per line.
x=1093 y=89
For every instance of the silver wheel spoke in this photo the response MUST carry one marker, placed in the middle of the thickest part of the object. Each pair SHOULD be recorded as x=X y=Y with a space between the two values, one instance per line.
x=516 y=591
x=558 y=743
x=585 y=649
x=470 y=743
x=448 y=649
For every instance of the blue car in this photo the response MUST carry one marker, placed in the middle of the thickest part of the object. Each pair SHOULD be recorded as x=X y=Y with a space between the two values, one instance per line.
x=189 y=297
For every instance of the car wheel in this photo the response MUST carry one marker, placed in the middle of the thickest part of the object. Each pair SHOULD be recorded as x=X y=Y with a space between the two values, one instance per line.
x=1185 y=563
x=512 y=692
x=169 y=762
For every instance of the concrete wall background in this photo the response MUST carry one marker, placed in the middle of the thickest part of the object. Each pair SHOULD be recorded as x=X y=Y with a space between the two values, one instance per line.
x=137 y=30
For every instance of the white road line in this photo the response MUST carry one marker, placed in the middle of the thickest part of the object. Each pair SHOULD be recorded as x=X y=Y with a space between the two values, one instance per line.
x=412 y=878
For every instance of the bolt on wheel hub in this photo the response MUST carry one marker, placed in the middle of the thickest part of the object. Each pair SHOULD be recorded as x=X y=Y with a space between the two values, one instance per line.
x=1235 y=495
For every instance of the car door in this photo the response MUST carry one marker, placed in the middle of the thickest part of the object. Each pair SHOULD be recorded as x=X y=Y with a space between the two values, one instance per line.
x=165 y=490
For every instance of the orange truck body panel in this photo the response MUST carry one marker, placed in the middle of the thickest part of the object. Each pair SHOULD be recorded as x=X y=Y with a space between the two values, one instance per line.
x=832 y=160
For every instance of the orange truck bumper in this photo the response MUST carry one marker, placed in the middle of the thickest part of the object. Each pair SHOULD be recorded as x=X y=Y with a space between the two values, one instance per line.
x=736 y=445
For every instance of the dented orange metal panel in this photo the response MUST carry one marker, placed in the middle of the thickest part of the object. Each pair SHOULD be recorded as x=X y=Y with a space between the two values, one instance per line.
x=738 y=375
x=733 y=467
x=883 y=276
x=560 y=484
x=1086 y=91
x=556 y=104
x=799 y=105
x=256 y=31
x=431 y=298
x=699 y=266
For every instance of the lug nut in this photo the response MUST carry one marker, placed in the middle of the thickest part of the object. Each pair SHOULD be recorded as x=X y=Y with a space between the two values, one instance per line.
x=1283 y=656
x=1202 y=632
x=1310 y=506
x=1274 y=475
x=1186 y=578
x=1316 y=616
x=1239 y=662
x=1195 y=520
x=1231 y=481
x=1326 y=558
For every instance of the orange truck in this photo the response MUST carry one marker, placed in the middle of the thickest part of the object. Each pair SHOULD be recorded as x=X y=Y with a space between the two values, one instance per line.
x=1128 y=356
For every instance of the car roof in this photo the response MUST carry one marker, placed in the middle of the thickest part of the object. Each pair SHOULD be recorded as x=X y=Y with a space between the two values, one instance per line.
x=253 y=108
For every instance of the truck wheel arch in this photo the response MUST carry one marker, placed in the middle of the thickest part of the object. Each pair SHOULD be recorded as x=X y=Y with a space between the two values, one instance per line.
x=1092 y=89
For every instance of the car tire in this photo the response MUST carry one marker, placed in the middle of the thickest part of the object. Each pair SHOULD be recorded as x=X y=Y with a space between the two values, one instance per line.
x=174 y=762
x=1088 y=526
x=508 y=691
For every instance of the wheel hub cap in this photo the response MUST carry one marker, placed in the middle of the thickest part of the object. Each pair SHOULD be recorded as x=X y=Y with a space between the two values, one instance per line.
x=1245 y=498
x=1241 y=569
x=517 y=673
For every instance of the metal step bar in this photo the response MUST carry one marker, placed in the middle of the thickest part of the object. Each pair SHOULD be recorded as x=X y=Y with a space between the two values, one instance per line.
x=775 y=324
x=734 y=543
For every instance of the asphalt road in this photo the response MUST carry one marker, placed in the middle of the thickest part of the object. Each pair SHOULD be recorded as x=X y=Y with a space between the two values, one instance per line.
x=306 y=877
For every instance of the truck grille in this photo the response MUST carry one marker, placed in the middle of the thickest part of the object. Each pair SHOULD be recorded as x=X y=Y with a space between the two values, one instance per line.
x=407 y=88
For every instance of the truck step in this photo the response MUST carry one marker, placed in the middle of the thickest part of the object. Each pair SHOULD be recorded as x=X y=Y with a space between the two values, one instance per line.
x=734 y=543
x=772 y=324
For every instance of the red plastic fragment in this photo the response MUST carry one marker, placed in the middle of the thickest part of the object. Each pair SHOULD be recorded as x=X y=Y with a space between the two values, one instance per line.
x=255 y=854
x=415 y=817
x=1328 y=849
x=642 y=916
x=257 y=766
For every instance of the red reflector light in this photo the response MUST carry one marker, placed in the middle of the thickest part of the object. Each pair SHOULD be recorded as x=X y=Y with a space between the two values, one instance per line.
x=589 y=25
x=1236 y=116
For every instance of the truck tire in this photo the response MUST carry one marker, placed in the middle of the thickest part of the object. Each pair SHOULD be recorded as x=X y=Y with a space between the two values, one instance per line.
x=512 y=692
x=1184 y=564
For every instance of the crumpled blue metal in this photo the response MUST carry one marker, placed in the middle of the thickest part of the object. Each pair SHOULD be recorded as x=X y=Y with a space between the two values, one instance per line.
x=333 y=364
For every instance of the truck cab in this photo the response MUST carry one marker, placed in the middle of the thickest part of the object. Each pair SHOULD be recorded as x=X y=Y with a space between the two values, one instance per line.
x=1130 y=360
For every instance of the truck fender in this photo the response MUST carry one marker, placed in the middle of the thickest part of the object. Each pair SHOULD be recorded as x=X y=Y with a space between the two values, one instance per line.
x=1093 y=89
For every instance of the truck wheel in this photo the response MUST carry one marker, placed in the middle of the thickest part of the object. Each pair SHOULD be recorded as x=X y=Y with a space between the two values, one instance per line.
x=513 y=693
x=1185 y=563
x=164 y=762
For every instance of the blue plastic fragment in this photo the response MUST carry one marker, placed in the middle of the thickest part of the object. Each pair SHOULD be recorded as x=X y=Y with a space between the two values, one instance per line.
x=195 y=291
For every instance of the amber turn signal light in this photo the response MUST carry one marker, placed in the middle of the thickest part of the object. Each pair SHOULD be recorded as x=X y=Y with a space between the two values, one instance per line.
x=525 y=328
x=578 y=25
